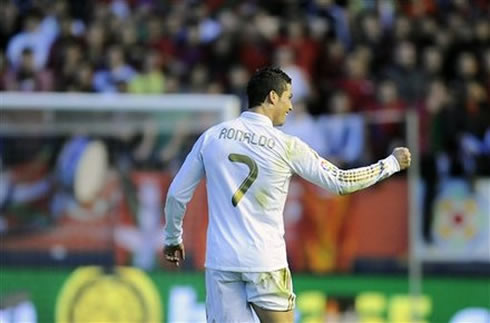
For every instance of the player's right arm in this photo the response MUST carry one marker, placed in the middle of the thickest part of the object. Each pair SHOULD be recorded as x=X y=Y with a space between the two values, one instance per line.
x=180 y=192
x=308 y=164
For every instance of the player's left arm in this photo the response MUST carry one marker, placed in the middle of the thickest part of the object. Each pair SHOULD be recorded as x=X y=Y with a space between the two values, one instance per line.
x=308 y=164
x=356 y=179
x=179 y=194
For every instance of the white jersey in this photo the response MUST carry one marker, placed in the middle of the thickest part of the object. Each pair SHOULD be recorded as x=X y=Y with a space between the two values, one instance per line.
x=248 y=165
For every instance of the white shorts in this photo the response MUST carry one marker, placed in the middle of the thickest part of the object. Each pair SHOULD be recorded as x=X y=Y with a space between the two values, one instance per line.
x=229 y=294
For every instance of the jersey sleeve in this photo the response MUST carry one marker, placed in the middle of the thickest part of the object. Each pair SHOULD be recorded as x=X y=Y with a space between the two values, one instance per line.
x=305 y=162
x=180 y=192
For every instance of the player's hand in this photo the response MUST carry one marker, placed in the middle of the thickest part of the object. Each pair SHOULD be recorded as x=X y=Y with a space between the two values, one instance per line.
x=174 y=254
x=403 y=157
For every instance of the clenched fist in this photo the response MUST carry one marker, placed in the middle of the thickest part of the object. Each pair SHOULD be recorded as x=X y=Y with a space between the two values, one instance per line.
x=403 y=157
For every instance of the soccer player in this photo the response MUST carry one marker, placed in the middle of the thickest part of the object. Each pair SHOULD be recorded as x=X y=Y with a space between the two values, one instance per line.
x=248 y=165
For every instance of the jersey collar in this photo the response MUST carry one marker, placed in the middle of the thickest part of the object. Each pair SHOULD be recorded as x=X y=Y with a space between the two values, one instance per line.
x=257 y=117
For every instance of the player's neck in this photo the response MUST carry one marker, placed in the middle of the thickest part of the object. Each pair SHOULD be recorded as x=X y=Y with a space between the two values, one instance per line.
x=263 y=110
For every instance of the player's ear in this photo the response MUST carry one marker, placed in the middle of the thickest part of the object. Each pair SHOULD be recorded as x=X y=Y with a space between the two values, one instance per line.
x=273 y=97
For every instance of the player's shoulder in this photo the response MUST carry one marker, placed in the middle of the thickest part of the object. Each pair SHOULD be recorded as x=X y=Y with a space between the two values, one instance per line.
x=294 y=146
x=287 y=139
x=218 y=127
x=213 y=132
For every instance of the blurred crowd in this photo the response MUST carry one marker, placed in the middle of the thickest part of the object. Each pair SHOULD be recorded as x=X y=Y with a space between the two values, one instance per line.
x=346 y=58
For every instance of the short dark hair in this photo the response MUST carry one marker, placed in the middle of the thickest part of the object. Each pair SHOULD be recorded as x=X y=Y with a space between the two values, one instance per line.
x=263 y=81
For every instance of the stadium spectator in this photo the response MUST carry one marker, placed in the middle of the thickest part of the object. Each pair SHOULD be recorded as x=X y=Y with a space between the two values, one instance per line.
x=66 y=38
x=133 y=47
x=475 y=130
x=356 y=82
x=117 y=74
x=26 y=77
x=405 y=74
x=151 y=80
x=343 y=132
x=237 y=83
x=9 y=14
x=386 y=135
x=96 y=39
x=301 y=84
x=38 y=34
x=432 y=64
x=82 y=79
x=221 y=58
x=72 y=58
x=252 y=50
x=402 y=30
x=304 y=47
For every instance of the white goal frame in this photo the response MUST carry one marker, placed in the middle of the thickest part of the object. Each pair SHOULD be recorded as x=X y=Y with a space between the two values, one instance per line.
x=226 y=106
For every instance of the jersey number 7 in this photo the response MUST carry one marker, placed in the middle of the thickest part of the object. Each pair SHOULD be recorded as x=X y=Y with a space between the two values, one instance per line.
x=247 y=182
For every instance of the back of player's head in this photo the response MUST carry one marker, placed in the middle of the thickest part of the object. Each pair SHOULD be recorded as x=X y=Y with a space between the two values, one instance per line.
x=263 y=82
